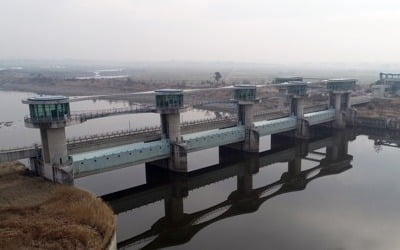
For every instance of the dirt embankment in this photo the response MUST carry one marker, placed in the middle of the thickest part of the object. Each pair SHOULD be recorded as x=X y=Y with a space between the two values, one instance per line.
x=37 y=214
x=381 y=108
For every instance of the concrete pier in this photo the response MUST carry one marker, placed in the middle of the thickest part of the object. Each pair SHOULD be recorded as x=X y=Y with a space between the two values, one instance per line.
x=297 y=92
x=245 y=96
x=169 y=102
x=339 y=98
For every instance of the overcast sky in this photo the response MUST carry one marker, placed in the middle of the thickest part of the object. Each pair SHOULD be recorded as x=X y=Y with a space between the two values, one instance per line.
x=271 y=31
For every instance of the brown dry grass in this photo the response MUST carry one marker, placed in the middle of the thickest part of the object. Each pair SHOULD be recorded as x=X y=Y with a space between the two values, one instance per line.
x=36 y=214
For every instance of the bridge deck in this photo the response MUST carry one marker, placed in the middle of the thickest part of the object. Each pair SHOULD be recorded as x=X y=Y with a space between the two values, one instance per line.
x=320 y=117
x=213 y=138
x=276 y=126
x=104 y=159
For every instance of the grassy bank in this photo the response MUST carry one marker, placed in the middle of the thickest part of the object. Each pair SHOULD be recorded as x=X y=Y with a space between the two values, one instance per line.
x=37 y=214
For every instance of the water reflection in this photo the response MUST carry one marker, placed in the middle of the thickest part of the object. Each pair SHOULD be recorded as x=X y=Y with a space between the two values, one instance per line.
x=177 y=227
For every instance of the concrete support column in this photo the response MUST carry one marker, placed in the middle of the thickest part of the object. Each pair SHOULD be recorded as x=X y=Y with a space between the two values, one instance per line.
x=297 y=109
x=54 y=153
x=54 y=145
x=336 y=102
x=297 y=106
x=246 y=118
x=178 y=159
x=170 y=126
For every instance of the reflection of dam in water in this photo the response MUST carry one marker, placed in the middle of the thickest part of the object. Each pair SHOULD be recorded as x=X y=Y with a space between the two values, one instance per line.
x=177 y=227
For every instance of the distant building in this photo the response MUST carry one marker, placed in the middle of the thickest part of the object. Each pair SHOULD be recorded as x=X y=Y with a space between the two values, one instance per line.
x=388 y=83
x=278 y=80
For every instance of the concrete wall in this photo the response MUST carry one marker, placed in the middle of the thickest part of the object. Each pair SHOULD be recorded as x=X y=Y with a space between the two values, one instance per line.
x=113 y=243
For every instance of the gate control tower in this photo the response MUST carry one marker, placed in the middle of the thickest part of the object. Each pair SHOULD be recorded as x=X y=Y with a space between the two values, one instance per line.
x=339 y=98
x=169 y=103
x=246 y=98
x=51 y=114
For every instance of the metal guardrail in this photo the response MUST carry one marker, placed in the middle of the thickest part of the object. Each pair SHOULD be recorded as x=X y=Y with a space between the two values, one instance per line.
x=6 y=150
x=30 y=120
x=87 y=115
x=193 y=103
x=145 y=130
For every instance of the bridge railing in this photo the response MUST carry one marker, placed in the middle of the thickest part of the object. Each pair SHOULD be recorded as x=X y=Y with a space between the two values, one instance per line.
x=86 y=115
x=67 y=118
x=144 y=130
x=6 y=150
x=112 y=134
x=198 y=103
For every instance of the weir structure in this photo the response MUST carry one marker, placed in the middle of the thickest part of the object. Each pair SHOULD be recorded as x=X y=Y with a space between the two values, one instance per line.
x=168 y=147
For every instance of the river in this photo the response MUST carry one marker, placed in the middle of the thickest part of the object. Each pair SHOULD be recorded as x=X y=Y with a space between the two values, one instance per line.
x=342 y=194
x=348 y=203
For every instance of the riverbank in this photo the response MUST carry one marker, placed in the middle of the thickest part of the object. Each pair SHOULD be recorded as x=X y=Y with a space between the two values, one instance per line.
x=380 y=113
x=381 y=108
x=37 y=214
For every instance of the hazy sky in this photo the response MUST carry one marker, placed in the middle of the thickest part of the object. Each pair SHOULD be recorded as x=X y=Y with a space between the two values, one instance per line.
x=272 y=31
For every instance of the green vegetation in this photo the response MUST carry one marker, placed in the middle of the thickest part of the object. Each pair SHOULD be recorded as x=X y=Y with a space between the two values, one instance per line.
x=37 y=214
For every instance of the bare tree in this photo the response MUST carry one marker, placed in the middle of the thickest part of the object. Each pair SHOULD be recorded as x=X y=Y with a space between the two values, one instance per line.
x=217 y=77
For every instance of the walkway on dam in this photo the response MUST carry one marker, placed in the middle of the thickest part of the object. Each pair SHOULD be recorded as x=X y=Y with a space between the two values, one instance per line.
x=103 y=160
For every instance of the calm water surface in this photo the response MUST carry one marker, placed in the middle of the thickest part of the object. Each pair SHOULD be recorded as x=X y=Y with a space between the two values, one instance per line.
x=344 y=196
